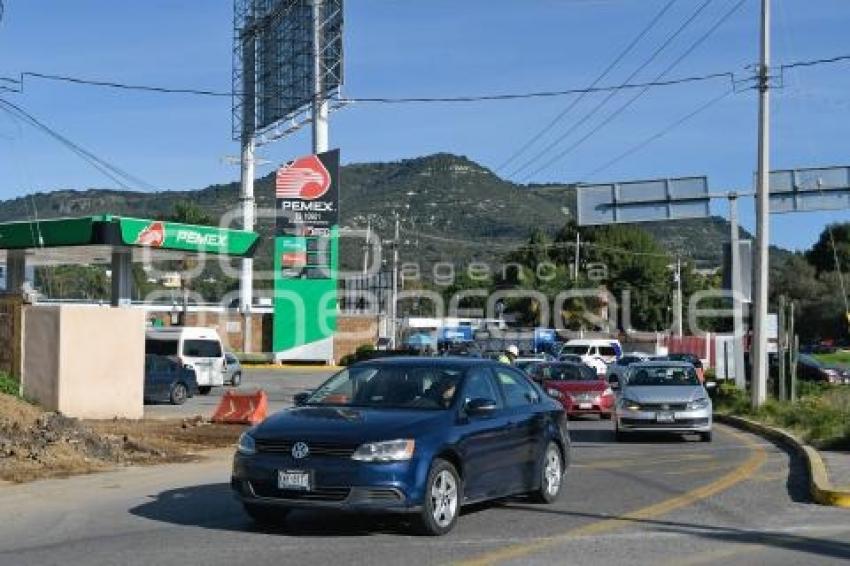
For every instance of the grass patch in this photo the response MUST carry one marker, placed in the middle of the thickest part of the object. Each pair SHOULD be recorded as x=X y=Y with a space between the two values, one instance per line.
x=820 y=416
x=9 y=385
x=839 y=358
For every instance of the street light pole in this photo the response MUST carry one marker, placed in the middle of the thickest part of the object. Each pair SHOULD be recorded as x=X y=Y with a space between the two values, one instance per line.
x=759 y=379
x=737 y=304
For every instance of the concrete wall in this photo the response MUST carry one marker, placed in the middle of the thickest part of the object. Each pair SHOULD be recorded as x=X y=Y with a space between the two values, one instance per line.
x=85 y=362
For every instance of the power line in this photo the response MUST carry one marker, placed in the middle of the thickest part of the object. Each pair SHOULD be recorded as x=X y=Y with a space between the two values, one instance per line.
x=415 y=99
x=637 y=147
x=666 y=43
x=641 y=92
x=546 y=129
x=388 y=100
x=813 y=62
x=113 y=172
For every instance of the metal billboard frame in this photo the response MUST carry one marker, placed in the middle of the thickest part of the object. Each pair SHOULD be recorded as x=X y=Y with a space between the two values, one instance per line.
x=643 y=201
x=809 y=189
x=273 y=63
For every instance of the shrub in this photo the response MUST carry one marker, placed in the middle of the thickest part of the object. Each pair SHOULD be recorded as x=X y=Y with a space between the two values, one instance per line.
x=9 y=385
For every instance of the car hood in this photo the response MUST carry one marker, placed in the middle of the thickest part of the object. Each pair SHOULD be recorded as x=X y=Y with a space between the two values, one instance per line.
x=347 y=424
x=664 y=393
x=578 y=386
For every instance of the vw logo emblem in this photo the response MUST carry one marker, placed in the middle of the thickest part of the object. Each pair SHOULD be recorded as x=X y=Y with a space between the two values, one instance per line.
x=300 y=450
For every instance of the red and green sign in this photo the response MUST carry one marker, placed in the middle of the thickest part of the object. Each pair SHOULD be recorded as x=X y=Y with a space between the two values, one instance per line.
x=186 y=237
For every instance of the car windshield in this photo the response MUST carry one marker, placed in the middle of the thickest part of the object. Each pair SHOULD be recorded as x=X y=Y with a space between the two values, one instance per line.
x=663 y=375
x=568 y=372
x=629 y=360
x=575 y=350
x=391 y=387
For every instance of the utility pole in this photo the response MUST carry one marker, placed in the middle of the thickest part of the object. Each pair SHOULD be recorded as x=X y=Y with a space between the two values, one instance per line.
x=394 y=306
x=246 y=274
x=366 y=247
x=679 y=310
x=759 y=378
x=578 y=254
x=737 y=291
x=320 y=104
x=782 y=343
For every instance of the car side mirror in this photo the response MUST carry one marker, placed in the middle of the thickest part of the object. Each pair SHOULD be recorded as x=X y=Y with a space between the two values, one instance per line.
x=300 y=399
x=480 y=406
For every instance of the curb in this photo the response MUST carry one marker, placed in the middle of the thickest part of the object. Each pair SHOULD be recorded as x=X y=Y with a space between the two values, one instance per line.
x=820 y=487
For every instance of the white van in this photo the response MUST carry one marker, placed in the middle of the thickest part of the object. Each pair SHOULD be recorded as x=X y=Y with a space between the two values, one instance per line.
x=196 y=347
x=595 y=352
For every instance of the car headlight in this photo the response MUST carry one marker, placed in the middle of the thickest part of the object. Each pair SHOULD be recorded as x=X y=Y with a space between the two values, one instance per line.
x=554 y=393
x=246 y=445
x=698 y=404
x=388 y=451
x=629 y=404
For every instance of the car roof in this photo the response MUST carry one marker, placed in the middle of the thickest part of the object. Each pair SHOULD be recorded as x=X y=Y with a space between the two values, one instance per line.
x=662 y=363
x=453 y=361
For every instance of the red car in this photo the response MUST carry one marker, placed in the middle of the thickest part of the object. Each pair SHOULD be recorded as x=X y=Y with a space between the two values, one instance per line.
x=578 y=388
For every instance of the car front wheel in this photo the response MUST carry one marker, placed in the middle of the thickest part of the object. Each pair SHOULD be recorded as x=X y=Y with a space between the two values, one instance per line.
x=179 y=393
x=443 y=497
x=551 y=475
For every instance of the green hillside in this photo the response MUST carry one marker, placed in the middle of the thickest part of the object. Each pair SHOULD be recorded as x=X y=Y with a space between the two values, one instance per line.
x=451 y=209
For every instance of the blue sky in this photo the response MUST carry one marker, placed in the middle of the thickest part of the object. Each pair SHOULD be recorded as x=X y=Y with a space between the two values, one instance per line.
x=429 y=48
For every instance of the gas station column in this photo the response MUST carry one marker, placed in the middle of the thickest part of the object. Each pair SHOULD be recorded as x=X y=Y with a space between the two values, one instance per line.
x=16 y=265
x=122 y=276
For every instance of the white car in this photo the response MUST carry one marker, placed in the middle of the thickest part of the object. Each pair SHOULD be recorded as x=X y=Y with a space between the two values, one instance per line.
x=595 y=352
x=196 y=347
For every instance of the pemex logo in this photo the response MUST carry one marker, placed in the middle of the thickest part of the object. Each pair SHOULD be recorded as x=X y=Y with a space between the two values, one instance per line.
x=152 y=235
x=305 y=178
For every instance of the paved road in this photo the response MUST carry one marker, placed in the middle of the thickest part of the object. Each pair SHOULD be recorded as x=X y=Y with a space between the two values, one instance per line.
x=737 y=500
x=279 y=384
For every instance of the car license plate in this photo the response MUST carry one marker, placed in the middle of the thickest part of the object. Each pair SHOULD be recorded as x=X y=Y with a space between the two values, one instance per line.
x=664 y=418
x=585 y=405
x=293 y=479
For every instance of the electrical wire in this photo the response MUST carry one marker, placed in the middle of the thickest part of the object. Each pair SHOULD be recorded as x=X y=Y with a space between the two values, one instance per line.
x=639 y=146
x=575 y=126
x=417 y=99
x=622 y=108
x=552 y=123
x=113 y=172
x=391 y=100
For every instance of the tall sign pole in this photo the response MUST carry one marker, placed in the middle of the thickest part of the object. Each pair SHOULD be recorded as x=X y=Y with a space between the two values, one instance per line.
x=246 y=274
x=760 y=366
x=320 y=104
x=737 y=304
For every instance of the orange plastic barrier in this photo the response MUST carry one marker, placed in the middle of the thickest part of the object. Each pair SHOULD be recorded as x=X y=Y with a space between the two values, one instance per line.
x=242 y=408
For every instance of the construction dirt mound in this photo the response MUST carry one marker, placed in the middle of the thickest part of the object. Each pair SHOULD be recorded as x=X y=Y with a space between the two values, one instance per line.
x=36 y=444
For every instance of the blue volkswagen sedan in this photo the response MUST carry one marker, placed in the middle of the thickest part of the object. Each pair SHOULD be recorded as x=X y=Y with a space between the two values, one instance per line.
x=420 y=436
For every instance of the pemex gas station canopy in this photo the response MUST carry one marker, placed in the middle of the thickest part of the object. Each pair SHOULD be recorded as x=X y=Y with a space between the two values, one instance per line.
x=94 y=239
x=116 y=240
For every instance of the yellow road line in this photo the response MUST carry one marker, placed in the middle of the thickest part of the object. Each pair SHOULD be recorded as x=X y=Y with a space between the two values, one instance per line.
x=757 y=457
x=636 y=462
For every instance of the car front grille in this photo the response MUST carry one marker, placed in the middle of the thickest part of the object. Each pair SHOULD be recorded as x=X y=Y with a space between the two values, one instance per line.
x=663 y=406
x=325 y=449
x=646 y=423
x=270 y=490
